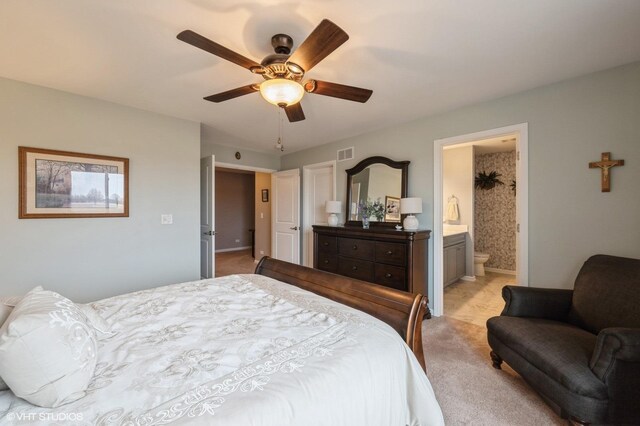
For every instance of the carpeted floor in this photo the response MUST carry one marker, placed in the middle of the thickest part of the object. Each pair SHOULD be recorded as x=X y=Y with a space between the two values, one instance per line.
x=234 y=262
x=469 y=390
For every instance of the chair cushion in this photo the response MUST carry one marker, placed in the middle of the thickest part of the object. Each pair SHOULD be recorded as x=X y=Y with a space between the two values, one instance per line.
x=561 y=351
x=606 y=294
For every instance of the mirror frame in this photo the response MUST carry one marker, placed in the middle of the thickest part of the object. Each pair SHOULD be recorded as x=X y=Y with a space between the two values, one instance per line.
x=401 y=165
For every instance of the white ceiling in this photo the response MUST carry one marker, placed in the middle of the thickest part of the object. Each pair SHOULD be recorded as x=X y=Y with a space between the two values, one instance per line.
x=420 y=57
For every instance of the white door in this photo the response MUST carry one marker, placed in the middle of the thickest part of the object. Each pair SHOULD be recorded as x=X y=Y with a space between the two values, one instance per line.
x=285 y=213
x=319 y=182
x=207 y=217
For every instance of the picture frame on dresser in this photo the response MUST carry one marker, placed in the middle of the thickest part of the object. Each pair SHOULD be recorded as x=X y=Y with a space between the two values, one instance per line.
x=391 y=209
x=64 y=184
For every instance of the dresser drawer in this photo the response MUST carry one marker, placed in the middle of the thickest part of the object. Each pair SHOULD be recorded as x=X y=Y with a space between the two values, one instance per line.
x=390 y=276
x=327 y=262
x=355 y=268
x=352 y=247
x=327 y=244
x=391 y=253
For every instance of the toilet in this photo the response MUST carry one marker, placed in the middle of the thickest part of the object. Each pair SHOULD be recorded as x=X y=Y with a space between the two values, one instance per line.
x=479 y=259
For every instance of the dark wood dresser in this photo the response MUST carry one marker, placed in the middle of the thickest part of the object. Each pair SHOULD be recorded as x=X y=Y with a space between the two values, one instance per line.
x=384 y=256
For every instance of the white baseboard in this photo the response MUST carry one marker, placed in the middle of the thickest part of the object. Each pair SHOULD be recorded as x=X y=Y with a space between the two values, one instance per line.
x=500 y=271
x=233 y=249
x=468 y=278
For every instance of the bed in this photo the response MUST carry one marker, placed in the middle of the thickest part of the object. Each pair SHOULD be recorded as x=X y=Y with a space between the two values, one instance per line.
x=268 y=348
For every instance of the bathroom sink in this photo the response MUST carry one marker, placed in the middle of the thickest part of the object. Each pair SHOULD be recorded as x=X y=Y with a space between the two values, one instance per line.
x=448 y=230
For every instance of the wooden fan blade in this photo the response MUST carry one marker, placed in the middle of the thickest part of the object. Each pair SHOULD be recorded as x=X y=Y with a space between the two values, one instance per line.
x=294 y=112
x=336 y=90
x=324 y=39
x=233 y=93
x=204 y=43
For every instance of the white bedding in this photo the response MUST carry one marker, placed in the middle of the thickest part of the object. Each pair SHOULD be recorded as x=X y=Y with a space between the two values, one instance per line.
x=243 y=350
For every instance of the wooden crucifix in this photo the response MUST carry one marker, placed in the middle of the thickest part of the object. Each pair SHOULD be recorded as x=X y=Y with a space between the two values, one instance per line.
x=604 y=165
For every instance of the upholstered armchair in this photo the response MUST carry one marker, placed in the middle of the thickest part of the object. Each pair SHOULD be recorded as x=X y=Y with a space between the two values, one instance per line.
x=580 y=348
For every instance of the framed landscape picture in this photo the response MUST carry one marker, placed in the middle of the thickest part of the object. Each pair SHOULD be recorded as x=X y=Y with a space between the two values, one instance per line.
x=60 y=184
x=391 y=209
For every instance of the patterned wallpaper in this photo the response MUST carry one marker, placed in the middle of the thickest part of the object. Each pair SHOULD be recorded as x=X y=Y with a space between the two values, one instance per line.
x=495 y=212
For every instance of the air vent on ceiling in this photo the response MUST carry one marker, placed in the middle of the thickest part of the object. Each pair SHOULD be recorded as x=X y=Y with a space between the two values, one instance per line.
x=345 y=154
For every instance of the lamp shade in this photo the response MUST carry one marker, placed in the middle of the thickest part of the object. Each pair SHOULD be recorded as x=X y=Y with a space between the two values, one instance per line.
x=333 y=206
x=281 y=91
x=411 y=205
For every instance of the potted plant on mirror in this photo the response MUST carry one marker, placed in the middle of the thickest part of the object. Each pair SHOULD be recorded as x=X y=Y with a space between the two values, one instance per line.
x=371 y=208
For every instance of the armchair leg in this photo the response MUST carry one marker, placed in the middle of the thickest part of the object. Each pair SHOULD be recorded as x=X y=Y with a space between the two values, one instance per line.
x=496 y=361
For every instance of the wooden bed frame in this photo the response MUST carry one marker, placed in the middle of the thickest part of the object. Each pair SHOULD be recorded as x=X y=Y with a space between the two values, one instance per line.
x=401 y=310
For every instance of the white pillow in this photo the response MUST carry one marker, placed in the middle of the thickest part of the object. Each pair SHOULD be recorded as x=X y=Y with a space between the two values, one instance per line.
x=6 y=306
x=47 y=350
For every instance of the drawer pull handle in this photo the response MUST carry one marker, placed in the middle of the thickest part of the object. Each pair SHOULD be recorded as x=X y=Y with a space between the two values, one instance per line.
x=355 y=268
x=326 y=262
x=355 y=247
x=389 y=252
x=325 y=243
x=387 y=275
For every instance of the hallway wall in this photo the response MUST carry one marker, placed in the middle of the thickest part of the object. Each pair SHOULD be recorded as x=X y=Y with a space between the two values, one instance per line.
x=234 y=209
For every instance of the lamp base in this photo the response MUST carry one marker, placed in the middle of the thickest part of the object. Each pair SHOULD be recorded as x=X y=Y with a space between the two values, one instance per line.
x=333 y=220
x=410 y=223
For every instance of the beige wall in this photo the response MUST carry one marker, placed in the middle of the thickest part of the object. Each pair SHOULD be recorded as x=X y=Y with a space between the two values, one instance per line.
x=570 y=124
x=263 y=216
x=88 y=259
x=457 y=179
x=234 y=209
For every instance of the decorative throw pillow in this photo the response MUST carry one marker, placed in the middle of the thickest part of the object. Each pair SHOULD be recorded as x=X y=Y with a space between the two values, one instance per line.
x=47 y=350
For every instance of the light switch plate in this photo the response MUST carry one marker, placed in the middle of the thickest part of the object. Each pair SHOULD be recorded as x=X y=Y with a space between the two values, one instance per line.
x=166 y=219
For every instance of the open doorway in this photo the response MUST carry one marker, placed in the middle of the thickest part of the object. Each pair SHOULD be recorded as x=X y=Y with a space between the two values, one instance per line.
x=480 y=221
x=239 y=206
x=235 y=221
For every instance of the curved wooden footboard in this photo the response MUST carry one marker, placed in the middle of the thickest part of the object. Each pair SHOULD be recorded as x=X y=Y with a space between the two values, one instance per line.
x=401 y=310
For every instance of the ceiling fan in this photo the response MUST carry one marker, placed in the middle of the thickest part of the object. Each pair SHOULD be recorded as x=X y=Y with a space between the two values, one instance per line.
x=283 y=72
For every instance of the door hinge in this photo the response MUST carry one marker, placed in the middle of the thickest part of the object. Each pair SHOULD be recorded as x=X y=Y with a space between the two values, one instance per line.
x=518 y=155
x=518 y=228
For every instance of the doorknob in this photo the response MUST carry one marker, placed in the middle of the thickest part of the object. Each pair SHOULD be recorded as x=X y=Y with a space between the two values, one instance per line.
x=209 y=233
x=295 y=228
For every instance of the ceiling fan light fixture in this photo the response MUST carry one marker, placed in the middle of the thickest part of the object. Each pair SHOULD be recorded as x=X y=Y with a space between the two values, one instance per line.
x=281 y=91
x=294 y=68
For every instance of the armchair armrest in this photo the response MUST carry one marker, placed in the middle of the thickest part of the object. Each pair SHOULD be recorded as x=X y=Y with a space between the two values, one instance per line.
x=547 y=303
x=613 y=345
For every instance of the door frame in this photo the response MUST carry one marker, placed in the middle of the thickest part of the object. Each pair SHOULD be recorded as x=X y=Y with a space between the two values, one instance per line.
x=522 y=204
x=307 y=243
x=234 y=166
x=243 y=167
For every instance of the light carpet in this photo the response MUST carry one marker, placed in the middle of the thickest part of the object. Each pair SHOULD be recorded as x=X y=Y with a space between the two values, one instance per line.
x=469 y=390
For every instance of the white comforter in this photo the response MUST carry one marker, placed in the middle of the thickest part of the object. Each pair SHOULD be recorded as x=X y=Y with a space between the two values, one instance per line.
x=243 y=350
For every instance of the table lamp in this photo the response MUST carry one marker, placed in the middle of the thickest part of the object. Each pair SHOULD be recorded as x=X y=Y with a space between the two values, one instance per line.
x=410 y=206
x=333 y=207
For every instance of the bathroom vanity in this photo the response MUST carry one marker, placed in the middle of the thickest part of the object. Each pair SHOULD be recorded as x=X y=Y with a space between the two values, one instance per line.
x=455 y=257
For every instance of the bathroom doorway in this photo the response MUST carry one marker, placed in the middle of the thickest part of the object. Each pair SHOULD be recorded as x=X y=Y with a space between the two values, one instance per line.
x=480 y=232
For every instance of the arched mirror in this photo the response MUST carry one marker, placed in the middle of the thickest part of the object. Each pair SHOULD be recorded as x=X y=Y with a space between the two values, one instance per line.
x=380 y=181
